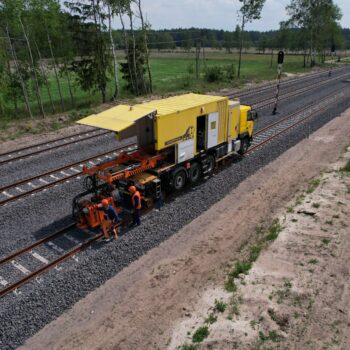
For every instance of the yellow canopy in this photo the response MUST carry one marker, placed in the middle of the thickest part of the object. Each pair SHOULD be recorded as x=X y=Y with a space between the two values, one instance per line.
x=117 y=118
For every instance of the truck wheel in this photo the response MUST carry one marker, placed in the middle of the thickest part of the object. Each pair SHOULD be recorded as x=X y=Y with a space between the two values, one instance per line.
x=210 y=166
x=244 y=146
x=195 y=173
x=179 y=179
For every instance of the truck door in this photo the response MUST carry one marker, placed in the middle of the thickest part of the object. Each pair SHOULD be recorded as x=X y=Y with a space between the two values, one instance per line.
x=234 y=122
x=212 y=129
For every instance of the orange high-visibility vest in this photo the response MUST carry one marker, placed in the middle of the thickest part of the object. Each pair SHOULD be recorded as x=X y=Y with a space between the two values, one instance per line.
x=136 y=194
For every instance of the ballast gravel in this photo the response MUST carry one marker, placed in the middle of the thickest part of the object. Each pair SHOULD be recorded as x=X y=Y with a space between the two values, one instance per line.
x=46 y=161
x=38 y=303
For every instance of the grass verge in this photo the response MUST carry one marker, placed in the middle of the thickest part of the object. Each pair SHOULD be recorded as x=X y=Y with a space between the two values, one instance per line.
x=243 y=267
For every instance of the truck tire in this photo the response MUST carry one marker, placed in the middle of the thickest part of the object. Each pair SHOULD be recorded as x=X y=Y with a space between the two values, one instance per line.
x=210 y=164
x=178 y=180
x=195 y=173
x=244 y=146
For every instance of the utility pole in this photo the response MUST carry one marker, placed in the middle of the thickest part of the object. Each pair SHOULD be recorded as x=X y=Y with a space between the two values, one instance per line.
x=280 y=69
x=198 y=52
x=332 y=59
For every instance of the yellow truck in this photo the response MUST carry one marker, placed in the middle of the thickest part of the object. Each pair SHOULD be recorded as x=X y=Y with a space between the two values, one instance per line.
x=179 y=139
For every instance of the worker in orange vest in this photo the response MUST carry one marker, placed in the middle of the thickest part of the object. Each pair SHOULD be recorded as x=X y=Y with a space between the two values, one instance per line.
x=136 y=205
x=111 y=219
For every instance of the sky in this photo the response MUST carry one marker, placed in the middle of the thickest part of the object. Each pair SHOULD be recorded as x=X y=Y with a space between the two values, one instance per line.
x=219 y=14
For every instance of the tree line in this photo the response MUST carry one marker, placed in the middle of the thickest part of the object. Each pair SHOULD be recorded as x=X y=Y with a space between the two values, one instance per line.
x=49 y=46
x=73 y=43
x=185 y=39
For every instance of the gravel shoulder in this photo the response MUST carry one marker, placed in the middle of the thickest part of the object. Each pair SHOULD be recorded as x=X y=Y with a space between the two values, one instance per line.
x=146 y=302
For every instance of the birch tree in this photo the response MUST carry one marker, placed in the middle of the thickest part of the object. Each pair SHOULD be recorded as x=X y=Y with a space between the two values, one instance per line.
x=250 y=10
x=10 y=10
x=144 y=27
x=34 y=71
x=319 y=19
x=115 y=64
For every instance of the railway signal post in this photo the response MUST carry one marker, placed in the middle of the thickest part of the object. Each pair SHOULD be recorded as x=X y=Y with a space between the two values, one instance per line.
x=280 y=61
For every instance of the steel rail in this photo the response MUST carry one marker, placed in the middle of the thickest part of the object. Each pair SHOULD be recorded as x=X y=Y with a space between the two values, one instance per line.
x=35 y=274
x=24 y=156
x=77 y=249
x=298 y=122
x=261 y=104
x=285 y=83
x=36 y=244
x=54 y=171
x=47 y=142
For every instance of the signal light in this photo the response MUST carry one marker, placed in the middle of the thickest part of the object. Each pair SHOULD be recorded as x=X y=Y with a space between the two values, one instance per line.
x=280 y=57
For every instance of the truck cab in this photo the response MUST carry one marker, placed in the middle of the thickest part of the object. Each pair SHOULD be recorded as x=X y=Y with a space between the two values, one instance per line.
x=246 y=126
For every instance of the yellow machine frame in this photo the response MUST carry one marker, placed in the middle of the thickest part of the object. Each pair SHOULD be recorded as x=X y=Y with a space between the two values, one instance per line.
x=173 y=120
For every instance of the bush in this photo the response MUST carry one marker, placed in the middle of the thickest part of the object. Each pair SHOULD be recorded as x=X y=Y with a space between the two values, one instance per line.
x=213 y=74
x=241 y=267
x=200 y=334
x=274 y=231
x=220 y=73
x=220 y=306
x=230 y=71
x=211 y=319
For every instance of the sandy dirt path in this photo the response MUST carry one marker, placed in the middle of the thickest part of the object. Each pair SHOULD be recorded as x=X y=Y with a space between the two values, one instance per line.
x=296 y=294
x=138 y=308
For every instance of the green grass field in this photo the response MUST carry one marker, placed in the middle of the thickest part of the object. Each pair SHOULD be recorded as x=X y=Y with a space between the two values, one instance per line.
x=171 y=73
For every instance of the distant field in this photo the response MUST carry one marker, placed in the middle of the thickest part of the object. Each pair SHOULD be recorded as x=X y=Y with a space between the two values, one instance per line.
x=171 y=72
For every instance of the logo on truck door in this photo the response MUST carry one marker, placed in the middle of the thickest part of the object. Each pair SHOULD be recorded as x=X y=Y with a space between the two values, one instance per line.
x=189 y=134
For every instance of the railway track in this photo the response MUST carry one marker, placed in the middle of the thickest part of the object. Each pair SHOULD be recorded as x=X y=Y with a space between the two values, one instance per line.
x=71 y=171
x=54 y=177
x=284 y=84
x=30 y=151
x=54 y=243
x=27 y=152
x=283 y=125
x=30 y=262
x=264 y=103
